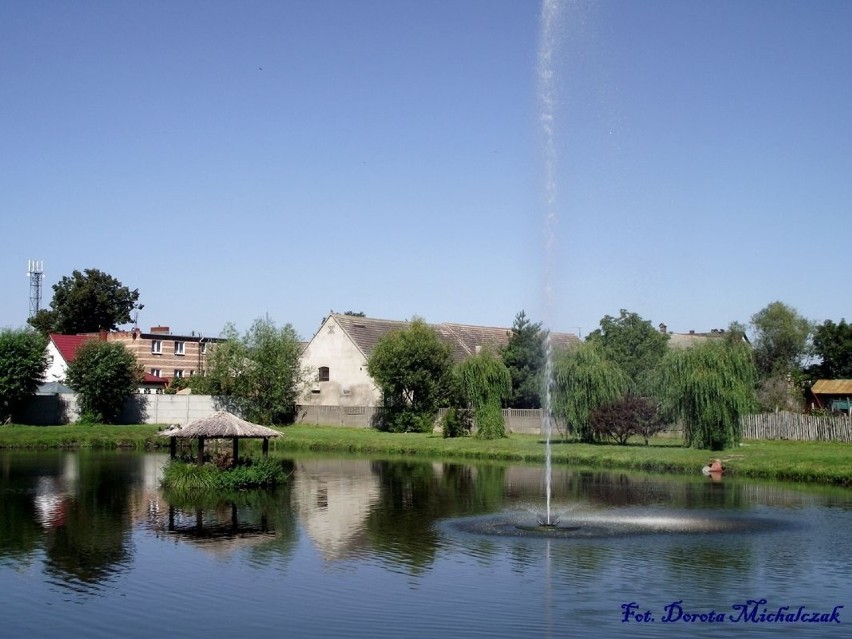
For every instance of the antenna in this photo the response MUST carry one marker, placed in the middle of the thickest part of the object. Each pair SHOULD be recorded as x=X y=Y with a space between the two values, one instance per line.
x=35 y=271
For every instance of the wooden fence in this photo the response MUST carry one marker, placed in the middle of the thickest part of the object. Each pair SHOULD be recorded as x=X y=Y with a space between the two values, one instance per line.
x=795 y=426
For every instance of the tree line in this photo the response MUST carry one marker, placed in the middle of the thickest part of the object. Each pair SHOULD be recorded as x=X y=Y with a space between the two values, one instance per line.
x=623 y=380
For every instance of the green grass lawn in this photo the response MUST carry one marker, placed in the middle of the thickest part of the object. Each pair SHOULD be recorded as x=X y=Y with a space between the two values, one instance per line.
x=822 y=462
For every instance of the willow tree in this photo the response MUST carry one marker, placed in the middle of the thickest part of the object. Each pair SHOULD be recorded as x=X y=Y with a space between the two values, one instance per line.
x=583 y=381
x=484 y=382
x=708 y=387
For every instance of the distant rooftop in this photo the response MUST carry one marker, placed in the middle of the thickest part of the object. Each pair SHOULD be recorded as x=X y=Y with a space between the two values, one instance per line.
x=464 y=339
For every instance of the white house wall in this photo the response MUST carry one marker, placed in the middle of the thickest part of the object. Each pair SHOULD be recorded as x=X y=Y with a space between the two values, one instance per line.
x=56 y=366
x=349 y=384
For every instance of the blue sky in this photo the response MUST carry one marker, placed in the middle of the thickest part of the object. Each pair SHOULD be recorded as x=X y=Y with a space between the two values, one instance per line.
x=286 y=158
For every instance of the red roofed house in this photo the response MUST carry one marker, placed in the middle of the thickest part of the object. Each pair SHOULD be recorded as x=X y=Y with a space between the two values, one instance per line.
x=62 y=349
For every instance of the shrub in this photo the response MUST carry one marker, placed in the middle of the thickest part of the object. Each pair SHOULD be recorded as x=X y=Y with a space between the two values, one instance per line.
x=457 y=422
x=626 y=417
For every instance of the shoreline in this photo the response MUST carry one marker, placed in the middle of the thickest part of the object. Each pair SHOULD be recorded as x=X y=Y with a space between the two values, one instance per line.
x=827 y=463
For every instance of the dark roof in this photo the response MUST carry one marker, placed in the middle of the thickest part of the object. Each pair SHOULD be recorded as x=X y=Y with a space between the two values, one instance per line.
x=53 y=388
x=464 y=339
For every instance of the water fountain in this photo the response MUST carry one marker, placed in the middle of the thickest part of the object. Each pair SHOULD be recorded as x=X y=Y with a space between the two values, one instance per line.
x=547 y=47
x=580 y=523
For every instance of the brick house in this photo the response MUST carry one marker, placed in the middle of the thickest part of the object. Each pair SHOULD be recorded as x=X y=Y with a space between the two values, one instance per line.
x=61 y=351
x=164 y=354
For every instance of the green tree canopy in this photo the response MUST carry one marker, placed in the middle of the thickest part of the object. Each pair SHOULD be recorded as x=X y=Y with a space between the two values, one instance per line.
x=104 y=375
x=583 y=381
x=485 y=382
x=412 y=369
x=259 y=374
x=633 y=344
x=833 y=345
x=708 y=387
x=23 y=360
x=781 y=340
x=87 y=302
x=524 y=356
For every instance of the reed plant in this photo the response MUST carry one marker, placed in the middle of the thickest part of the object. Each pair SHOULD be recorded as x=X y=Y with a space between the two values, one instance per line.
x=185 y=477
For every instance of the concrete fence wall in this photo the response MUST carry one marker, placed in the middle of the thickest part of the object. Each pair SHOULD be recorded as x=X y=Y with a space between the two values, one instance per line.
x=182 y=409
x=45 y=410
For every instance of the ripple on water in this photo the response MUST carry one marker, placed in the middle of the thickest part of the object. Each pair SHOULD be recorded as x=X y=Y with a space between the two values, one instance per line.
x=602 y=525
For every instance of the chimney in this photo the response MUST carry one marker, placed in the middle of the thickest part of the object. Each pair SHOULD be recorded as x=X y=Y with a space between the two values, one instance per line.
x=663 y=328
x=160 y=329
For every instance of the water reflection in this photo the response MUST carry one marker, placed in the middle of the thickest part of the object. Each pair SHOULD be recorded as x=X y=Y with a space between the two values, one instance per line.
x=75 y=516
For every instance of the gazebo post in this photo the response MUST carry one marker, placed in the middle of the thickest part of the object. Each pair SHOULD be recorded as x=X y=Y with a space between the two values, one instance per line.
x=266 y=446
x=236 y=453
x=201 y=450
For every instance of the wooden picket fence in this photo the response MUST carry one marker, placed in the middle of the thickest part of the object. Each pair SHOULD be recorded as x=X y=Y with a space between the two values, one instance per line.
x=796 y=426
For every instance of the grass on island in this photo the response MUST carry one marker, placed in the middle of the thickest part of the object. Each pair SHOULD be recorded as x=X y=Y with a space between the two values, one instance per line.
x=187 y=478
x=825 y=462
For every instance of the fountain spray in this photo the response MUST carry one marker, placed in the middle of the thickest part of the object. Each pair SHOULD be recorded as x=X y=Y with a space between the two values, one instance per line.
x=546 y=92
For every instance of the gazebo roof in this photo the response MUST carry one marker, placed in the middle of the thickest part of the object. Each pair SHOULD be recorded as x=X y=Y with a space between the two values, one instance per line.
x=221 y=424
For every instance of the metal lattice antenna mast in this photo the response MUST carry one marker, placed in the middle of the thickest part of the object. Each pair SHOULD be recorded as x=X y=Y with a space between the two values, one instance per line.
x=35 y=271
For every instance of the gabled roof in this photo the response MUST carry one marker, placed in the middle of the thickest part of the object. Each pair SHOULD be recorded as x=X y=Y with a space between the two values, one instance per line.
x=67 y=345
x=832 y=387
x=365 y=332
x=464 y=339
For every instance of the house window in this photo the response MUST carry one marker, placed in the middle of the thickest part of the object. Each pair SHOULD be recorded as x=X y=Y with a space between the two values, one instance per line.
x=179 y=348
x=178 y=372
x=191 y=372
x=156 y=346
x=323 y=373
x=156 y=372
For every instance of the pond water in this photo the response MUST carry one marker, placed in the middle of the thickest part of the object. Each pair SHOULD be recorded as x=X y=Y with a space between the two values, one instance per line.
x=89 y=546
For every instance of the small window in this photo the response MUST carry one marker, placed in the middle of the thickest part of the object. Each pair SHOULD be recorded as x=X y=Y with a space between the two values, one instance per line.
x=180 y=348
x=191 y=372
x=156 y=372
x=323 y=373
x=178 y=372
x=156 y=346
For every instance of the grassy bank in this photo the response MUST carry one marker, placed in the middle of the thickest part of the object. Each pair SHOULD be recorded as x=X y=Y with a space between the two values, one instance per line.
x=822 y=462
x=99 y=436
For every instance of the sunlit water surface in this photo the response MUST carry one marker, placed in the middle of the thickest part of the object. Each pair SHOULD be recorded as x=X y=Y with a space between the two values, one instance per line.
x=89 y=546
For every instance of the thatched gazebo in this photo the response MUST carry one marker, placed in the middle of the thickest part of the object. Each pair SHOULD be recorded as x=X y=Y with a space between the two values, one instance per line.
x=219 y=425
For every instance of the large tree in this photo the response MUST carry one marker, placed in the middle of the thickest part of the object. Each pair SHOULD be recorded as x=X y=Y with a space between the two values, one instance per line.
x=87 y=302
x=412 y=368
x=485 y=382
x=259 y=373
x=104 y=375
x=633 y=344
x=524 y=356
x=833 y=346
x=23 y=360
x=781 y=340
x=585 y=380
x=708 y=387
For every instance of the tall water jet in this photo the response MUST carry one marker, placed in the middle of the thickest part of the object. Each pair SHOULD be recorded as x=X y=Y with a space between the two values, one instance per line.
x=547 y=99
